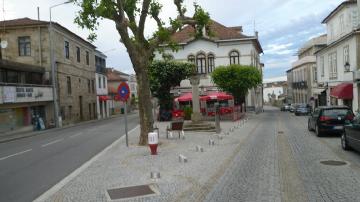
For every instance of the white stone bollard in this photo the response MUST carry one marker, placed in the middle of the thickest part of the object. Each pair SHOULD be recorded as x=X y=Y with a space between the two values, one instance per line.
x=211 y=142
x=182 y=159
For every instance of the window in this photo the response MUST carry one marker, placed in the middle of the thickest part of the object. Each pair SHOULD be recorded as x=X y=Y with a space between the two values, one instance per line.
x=234 y=57
x=62 y=112
x=2 y=75
x=104 y=82
x=77 y=54
x=93 y=86
x=67 y=50
x=90 y=110
x=315 y=73
x=99 y=81
x=68 y=85
x=87 y=58
x=333 y=65
x=201 y=63
x=322 y=66
x=89 y=89
x=70 y=111
x=211 y=63
x=12 y=77
x=346 y=55
x=341 y=23
x=24 y=46
x=191 y=59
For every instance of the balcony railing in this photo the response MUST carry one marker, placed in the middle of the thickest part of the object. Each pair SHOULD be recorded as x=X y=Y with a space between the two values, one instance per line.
x=300 y=85
x=100 y=69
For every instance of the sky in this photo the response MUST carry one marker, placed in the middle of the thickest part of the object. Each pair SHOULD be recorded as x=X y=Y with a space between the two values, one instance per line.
x=283 y=25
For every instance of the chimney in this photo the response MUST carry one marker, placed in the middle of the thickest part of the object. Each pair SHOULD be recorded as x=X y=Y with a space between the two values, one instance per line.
x=257 y=34
x=38 y=13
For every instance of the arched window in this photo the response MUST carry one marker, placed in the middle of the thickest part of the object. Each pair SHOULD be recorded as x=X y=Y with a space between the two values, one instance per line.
x=211 y=63
x=234 y=57
x=201 y=63
x=191 y=59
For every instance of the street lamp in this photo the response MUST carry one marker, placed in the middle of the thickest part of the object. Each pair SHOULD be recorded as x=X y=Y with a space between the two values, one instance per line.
x=347 y=67
x=52 y=60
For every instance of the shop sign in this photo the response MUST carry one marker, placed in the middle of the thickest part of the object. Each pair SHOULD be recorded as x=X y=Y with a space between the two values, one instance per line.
x=9 y=94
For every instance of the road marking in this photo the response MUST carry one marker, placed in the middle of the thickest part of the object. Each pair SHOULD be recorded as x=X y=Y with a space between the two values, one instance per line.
x=53 y=142
x=22 y=152
x=67 y=179
x=77 y=134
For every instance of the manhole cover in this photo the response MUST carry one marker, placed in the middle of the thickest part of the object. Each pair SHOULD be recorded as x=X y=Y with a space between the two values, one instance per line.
x=280 y=132
x=333 y=163
x=130 y=192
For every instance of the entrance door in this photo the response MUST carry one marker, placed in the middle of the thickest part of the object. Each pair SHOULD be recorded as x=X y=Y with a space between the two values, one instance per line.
x=81 y=108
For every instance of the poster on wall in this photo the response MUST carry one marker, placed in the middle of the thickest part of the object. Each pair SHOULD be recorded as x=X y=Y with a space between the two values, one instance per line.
x=9 y=94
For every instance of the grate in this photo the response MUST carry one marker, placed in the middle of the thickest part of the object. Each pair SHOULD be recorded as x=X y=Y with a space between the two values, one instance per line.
x=333 y=163
x=130 y=192
x=280 y=132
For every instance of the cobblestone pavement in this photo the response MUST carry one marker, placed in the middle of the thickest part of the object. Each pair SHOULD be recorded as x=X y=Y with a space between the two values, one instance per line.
x=281 y=162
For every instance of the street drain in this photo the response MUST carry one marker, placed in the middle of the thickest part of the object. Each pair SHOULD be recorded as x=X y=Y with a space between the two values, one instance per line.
x=131 y=192
x=333 y=163
x=280 y=132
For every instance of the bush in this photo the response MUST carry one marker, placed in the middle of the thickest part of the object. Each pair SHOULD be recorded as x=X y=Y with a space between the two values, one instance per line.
x=187 y=113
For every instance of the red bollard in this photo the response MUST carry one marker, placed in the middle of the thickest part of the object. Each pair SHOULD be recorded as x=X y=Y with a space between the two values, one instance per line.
x=153 y=142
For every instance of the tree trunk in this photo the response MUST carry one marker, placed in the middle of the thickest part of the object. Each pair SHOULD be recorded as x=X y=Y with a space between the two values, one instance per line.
x=145 y=106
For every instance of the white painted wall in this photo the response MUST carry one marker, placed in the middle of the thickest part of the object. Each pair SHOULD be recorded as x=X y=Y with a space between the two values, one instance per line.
x=102 y=90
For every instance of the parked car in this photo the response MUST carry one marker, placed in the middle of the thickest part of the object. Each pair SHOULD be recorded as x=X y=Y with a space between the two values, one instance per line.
x=292 y=108
x=285 y=107
x=350 y=139
x=329 y=119
x=302 y=109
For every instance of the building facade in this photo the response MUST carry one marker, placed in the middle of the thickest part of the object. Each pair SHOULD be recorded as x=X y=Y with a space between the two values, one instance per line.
x=114 y=78
x=339 y=62
x=29 y=43
x=304 y=73
x=26 y=98
x=102 y=100
x=228 y=45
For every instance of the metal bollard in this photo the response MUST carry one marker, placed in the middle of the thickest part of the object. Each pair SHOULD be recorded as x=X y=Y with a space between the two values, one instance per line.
x=155 y=175
x=182 y=159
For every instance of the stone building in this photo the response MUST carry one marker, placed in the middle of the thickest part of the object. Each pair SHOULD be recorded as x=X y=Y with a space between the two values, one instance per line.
x=304 y=73
x=28 y=43
x=228 y=45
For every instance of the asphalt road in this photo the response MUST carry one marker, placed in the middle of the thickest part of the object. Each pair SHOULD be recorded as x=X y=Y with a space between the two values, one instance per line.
x=30 y=166
x=281 y=161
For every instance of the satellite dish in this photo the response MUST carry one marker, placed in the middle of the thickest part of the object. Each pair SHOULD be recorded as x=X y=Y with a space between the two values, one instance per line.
x=4 y=44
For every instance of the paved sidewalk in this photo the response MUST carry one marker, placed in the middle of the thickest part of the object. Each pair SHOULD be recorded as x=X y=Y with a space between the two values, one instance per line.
x=192 y=181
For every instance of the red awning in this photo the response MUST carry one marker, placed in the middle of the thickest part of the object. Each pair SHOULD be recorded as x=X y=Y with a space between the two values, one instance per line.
x=343 y=91
x=218 y=96
x=184 y=98
x=104 y=98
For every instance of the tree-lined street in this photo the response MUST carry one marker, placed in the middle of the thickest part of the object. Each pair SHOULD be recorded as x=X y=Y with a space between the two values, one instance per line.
x=30 y=166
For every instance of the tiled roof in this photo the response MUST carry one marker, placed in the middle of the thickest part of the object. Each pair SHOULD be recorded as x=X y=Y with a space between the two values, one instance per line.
x=20 y=22
x=114 y=75
x=219 y=31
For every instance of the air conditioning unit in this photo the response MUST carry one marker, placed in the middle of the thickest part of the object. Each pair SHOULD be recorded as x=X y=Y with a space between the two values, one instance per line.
x=357 y=75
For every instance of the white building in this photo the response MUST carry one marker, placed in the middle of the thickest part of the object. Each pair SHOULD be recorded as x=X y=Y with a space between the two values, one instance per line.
x=338 y=63
x=228 y=45
x=102 y=99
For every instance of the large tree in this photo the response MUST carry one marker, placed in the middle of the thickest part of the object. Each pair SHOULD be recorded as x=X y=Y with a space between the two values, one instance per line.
x=166 y=74
x=130 y=17
x=237 y=80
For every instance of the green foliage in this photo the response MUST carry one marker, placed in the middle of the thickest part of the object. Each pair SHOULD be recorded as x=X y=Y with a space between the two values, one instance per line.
x=236 y=79
x=167 y=74
x=202 y=19
x=187 y=112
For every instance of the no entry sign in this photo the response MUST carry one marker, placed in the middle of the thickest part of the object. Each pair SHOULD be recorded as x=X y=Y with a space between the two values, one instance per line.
x=123 y=91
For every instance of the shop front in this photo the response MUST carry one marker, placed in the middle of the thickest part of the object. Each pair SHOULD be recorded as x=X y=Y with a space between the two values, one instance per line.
x=342 y=94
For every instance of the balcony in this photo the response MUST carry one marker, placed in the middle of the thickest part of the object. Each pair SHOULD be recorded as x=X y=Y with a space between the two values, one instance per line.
x=300 y=85
x=100 y=69
x=23 y=93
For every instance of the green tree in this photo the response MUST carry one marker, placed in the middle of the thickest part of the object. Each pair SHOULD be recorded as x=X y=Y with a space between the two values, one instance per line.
x=130 y=17
x=166 y=74
x=237 y=80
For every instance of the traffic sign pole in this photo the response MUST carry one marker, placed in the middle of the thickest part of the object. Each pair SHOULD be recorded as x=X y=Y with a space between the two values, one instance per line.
x=126 y=126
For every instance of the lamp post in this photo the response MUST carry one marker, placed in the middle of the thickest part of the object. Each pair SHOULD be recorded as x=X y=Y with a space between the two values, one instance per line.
x=52 y=61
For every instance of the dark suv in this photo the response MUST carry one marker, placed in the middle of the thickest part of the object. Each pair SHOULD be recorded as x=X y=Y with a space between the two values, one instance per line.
x=329 y=119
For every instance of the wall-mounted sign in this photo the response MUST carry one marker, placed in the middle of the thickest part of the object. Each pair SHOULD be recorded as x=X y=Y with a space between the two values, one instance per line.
x=14 y=94
x=9 y=94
